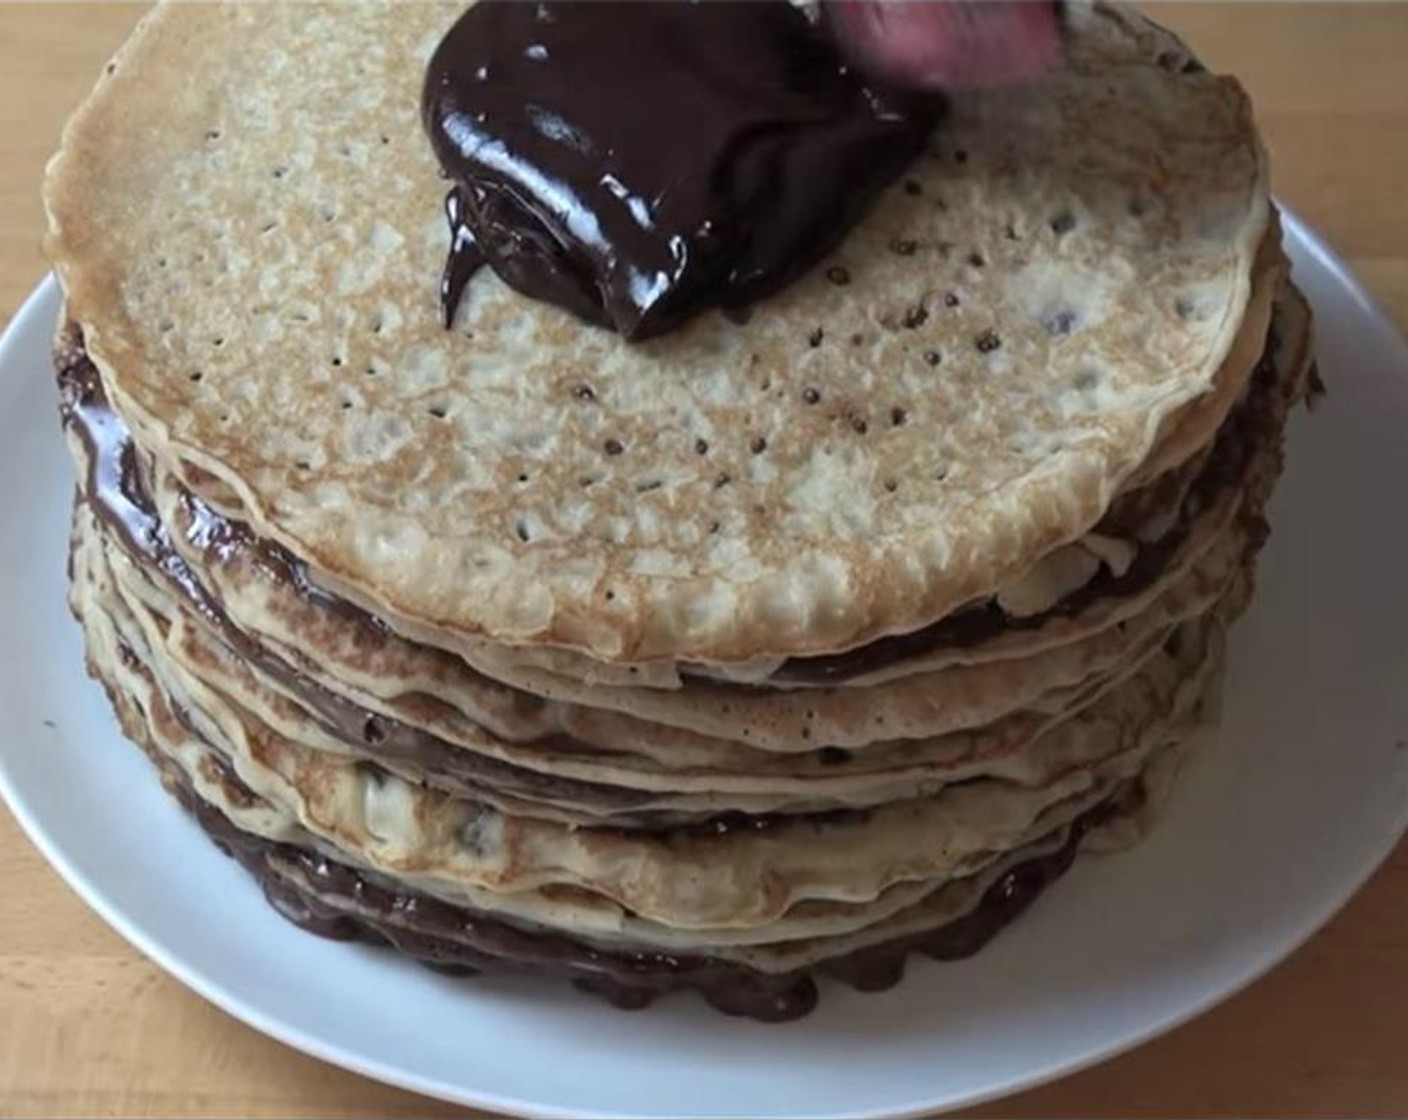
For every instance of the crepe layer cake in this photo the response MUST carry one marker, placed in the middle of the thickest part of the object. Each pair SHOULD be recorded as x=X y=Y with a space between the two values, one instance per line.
x=777 y=646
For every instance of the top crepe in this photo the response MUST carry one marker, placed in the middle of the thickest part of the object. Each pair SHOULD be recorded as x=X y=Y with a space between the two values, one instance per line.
x=249 y=232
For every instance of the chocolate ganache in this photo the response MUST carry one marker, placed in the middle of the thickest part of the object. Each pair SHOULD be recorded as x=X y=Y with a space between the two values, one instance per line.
x=636 y=163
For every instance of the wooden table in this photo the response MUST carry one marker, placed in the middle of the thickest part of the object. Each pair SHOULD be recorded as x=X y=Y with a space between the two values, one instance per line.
x=88 y=1026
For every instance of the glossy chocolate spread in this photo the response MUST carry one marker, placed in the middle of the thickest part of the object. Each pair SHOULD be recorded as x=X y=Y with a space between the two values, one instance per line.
x=638 y=162
x=334 y=900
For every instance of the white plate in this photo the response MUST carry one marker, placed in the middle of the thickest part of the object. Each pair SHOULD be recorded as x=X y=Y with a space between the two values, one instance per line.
x=1273 y=825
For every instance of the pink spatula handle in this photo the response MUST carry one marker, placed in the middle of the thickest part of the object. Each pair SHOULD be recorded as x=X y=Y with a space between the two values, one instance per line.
x=950 y=43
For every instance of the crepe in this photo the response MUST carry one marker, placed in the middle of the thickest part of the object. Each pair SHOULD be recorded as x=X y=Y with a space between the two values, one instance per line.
x=692 y=880
x=388 y=452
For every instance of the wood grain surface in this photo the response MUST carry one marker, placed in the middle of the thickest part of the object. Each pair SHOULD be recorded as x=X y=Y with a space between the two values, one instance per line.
x=89 y=1027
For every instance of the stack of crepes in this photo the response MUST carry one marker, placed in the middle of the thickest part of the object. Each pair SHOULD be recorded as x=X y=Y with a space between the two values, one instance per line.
x=771 y=648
